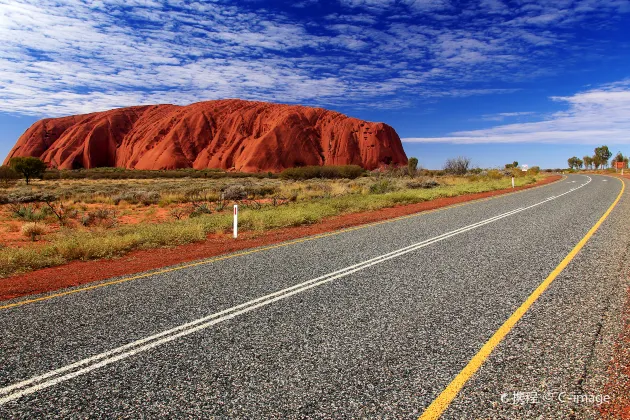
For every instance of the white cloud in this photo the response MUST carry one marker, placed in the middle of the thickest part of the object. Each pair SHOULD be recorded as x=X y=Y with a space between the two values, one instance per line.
x=503 y=115
x=60 y=57
x=593 y=117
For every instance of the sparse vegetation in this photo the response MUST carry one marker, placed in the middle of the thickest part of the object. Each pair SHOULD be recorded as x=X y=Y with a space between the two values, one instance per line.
x=8 y=176
x=88 y=219
x=33 y=230
x=457 y=166
x=328 y=172
x=28 y=167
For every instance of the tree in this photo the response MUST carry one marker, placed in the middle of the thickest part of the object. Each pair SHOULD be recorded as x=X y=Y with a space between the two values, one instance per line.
x=604 y=154
x=511 y=165
x=457 y=166
x=619 y=158
x=28 y=167
x=597 y=161
x=7 y=176
x=575 y=162
x=588 y=162
x=412 y=166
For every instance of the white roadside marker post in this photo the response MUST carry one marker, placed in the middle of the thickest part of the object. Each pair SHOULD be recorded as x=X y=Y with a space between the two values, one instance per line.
x=235 y=228
x=512 y=182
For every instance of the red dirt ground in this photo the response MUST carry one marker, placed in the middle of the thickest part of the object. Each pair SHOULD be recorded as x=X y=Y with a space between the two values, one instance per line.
x=618 y=386
x=81 y=272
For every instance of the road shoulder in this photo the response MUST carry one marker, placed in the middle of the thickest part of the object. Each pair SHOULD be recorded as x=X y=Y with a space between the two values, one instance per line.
x=82 y=272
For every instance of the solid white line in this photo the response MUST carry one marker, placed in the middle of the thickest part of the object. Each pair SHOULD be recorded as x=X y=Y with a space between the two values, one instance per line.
x=89 y=364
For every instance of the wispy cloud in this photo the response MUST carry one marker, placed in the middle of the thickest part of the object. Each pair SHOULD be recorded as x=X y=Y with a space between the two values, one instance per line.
x=503 y=115
x=592 y=117
x=60 y=57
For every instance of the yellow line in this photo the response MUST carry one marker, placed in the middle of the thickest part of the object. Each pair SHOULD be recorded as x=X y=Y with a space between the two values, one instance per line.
x=441 y=403
x=240 y=254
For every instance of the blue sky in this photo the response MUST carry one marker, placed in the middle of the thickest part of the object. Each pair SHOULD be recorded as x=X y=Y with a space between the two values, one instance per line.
x=529 y=80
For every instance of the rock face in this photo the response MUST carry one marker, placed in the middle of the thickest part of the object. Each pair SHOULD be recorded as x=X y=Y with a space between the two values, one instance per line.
x=227 y=134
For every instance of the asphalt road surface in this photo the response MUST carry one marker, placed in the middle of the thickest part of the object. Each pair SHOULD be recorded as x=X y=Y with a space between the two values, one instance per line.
x=369 y=322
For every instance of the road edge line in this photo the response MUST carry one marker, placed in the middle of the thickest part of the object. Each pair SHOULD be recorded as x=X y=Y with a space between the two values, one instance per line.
x=443 y=400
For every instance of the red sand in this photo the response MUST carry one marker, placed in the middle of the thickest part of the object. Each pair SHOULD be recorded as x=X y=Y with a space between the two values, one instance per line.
x=228 y=134
x=80 y=272
x=618 y=386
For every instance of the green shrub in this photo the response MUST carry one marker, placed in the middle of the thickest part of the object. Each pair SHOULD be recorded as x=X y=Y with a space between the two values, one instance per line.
x=28 y=212
x=494 y=174
x=234 y=193
x=200 y=209
x=100 y=217
x=423 y=184
x=329 y=172
x=8 y=176
x=381 y=187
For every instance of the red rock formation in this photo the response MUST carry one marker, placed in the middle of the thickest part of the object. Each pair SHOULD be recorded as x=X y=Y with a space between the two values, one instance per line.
x=228 y=134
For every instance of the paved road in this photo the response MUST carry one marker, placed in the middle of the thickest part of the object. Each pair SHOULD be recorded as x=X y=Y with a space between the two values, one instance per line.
x=372 y=322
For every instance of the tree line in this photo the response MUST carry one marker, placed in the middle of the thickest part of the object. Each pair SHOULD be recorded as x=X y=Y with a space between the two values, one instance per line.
x=599 y=159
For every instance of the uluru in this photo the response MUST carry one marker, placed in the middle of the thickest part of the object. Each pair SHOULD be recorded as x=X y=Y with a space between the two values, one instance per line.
x=228 y=134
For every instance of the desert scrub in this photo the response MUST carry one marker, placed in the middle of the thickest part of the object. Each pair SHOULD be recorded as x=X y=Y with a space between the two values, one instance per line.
x=79 y=245
x=72 y=245
x=383 y=186
x=135 y=197
x=27 y=212
x=33 y=230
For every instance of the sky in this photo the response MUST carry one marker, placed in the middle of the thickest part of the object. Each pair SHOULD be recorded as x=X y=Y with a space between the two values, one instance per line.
x=535 y=81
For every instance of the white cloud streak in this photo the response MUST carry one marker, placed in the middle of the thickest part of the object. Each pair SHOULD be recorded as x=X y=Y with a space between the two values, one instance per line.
x=595 y=116
x=61 y=57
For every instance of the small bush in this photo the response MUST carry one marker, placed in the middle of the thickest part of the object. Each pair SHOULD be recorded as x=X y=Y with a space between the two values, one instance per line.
x=198 y=195
x=8 y=176
x=426 y=183
x=457 y=166
x=28 y=212
x=33 y=230
x=261 y=191
x=494 y=174
x=381 y=187
x=234 y=193
x=100 y=217
x=200 y=209
x=178 y=213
